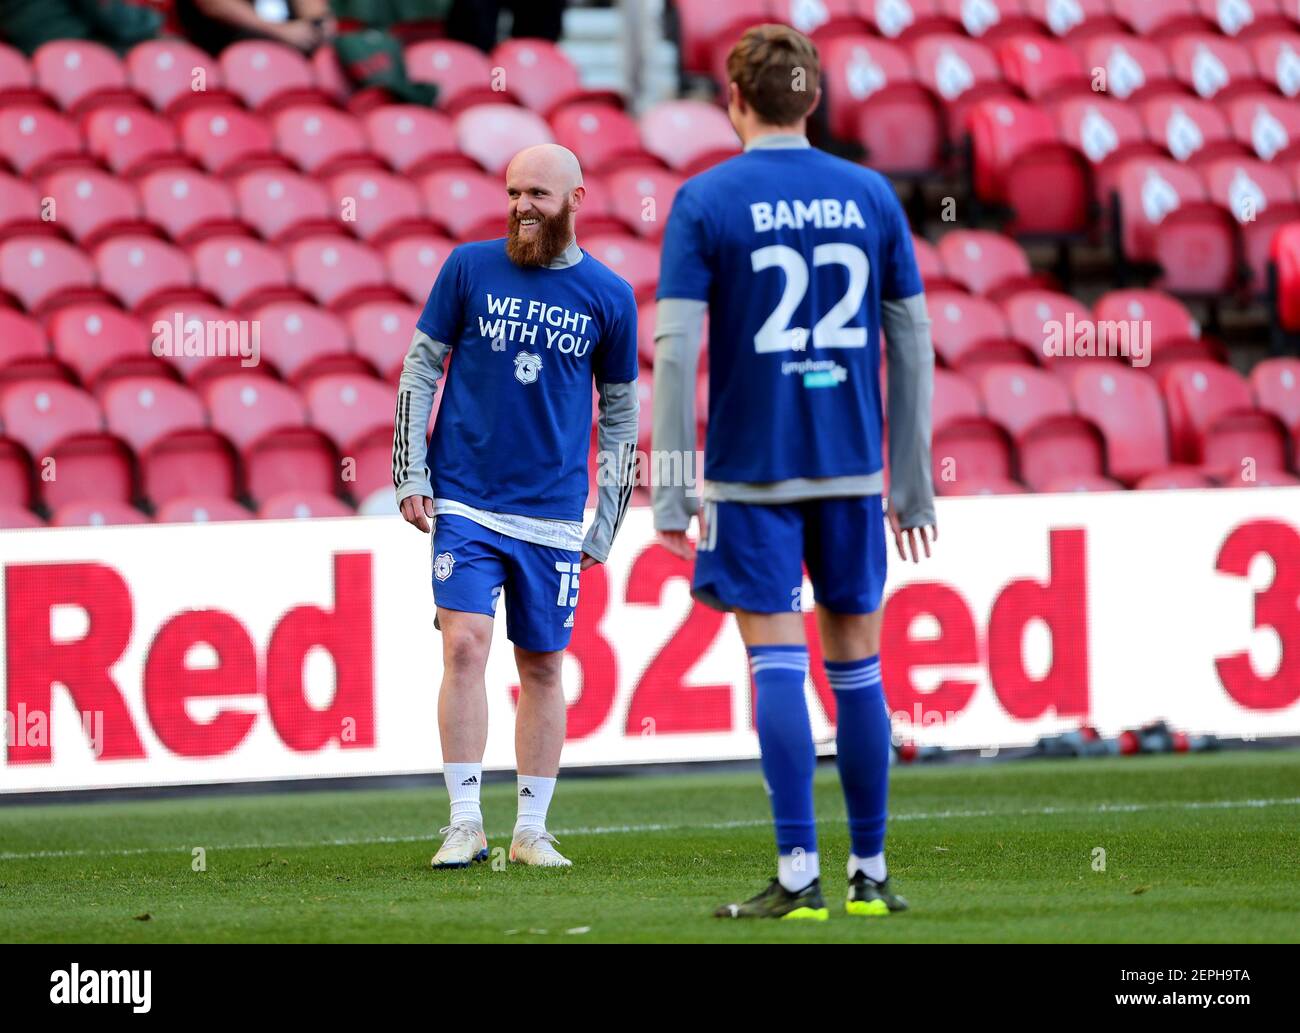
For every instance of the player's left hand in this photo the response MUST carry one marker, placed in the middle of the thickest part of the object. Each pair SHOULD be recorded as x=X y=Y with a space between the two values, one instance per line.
x=909 y=535
x=588 y=561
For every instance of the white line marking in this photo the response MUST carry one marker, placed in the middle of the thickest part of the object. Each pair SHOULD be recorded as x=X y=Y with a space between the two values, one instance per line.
x=607 y=830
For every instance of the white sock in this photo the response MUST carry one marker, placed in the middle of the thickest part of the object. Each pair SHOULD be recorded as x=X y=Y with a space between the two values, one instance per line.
x=872 y=867
x=534 y=801
x=463 y=784
x=796 y=871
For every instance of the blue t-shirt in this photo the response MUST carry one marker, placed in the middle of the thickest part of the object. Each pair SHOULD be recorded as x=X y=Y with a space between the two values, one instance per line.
x=513 y=431
x=793 y=249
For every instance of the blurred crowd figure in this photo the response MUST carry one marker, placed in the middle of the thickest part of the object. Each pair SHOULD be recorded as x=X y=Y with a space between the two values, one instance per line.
x=215 y=24
x=476 y=21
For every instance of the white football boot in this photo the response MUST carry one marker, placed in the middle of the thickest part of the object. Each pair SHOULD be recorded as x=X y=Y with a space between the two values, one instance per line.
x=465 y=844
x=534 y=846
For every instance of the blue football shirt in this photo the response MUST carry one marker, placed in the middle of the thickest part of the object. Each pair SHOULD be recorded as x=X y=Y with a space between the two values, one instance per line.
x=513 y=431
x=793 y=249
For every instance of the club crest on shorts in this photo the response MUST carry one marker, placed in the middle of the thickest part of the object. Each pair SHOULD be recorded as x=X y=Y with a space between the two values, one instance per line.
x=527 y=366
x=442 y=564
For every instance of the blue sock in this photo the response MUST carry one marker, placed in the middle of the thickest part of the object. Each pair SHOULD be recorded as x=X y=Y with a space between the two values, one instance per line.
x=862 y=742
x=785 y=738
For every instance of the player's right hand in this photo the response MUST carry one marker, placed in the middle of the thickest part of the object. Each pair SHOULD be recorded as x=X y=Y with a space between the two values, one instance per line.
x=418 y=510
x=677 y=542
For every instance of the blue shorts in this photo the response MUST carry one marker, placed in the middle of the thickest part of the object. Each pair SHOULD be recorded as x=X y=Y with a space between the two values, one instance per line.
x=753 y=556
x=472 y=565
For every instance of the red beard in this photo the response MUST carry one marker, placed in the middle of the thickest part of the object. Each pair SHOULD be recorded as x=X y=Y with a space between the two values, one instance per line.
x=546 y=246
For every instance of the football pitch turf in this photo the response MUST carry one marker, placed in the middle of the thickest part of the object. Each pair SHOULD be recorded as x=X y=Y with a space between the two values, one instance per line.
x=1197 y=848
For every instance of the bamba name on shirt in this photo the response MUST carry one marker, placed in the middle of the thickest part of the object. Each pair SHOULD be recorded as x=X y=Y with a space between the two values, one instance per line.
x=519 y=321
x=827 y=213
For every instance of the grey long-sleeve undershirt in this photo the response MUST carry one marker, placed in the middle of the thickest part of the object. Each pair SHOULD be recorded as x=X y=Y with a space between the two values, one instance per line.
x=909 y=357
x=616 y=431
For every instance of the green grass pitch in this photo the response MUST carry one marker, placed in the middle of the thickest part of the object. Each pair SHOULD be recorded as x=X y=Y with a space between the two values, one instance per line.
x=1197 y=848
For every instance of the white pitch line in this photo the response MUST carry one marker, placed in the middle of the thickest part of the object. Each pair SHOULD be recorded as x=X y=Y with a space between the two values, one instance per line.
x=607 y=830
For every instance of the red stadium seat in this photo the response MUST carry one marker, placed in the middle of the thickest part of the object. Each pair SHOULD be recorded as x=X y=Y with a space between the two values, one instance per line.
x=98 y=342
x=14 y=516
x=92 y=206
x=356 y=413
x=604 y=138
x=1190 y=130
x=142 y=272
x=1213 y=420
x=414 y=262
x=641 y=198
x=633 y=259
x=268 y=76
x=1073 y=20
x=174 y=76
x=20 y=209
x=1247 y=476
x=1049 y=325
x=242 y=273
x=688 y=135
x=35 y=141
x=229 y=343
x=1175 y=335
x=967 y=446
x=1135 y=68
x=469 y=205
x=1244 y=19
x=822 y=20
x=80 y=75
x=227 y=140
x=24 y=351
x=188 y=205
x=1277 y=60
x=985 y=263
x=1126 y=405
x=1081 y=483
x=1175 y=477
x=1285 y=255
x=1275 y=385
x=1267 y=126
x=43 y=273
x=970 y=331
x=303 y=505
x=596 y=215
x=933 y=275
x=96 y=512
x=989 y=20
x=1105 y=131
x=1260 y=198
x=301 y=341
x=62 y=429
x=17 y=82
x=1158 y=18
x=538 y=74
x=1213 y=67
x=283 y=206
x=971 y=486
x=381 y=333
x=267 y=422
x=201 y=509
x=462 y=74
x=704 y=25
x=1022 y=163
x=16 y=475
x=132 y=141
x=167 y=426
x=322 y=141
x=958 y=71
x=1043 y=69
x=876 y=100
x=338 y=272
x=413 y=139
x=1167 y=218
x=378 y=206
x=1034 y=407
x=492 y=134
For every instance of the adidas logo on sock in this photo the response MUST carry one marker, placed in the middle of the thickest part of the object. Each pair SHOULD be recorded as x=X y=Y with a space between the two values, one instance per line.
x=525 y=791
x=471 y=781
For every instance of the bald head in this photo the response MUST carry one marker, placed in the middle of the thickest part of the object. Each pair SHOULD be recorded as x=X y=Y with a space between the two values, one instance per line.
x=548 y=163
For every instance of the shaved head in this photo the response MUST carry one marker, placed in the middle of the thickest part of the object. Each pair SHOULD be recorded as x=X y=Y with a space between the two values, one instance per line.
x=544 y=184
